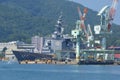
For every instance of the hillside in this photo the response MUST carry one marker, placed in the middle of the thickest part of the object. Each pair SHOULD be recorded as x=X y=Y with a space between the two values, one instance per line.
x=21 y=19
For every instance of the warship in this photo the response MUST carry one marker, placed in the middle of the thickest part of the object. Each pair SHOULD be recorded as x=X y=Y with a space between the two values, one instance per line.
x=50 y=45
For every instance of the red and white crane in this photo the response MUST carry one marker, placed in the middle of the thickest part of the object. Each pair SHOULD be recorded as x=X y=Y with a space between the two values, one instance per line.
x=112 y=11
x=82 y=19
x=107 y=14
x=88 y=33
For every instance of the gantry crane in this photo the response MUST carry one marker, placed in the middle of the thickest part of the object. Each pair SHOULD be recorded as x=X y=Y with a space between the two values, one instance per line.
x=79 y=32
x=107 y=14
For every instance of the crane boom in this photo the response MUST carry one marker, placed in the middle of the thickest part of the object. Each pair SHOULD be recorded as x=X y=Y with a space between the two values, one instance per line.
x=112 y=13
x=89 y=30
x=113 y=9
x=82 y=18
x=80 y=13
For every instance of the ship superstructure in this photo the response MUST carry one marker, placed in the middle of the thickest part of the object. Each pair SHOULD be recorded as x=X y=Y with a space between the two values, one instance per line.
x=58 y=33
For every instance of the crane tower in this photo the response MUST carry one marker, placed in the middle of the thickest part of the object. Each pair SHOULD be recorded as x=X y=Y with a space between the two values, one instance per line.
x=106 y=14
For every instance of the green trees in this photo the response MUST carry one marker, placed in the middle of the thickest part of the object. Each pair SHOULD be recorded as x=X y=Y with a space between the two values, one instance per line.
x=2 y=53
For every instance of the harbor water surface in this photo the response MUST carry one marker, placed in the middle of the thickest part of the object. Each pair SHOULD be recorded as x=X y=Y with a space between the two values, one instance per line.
x=58 y=72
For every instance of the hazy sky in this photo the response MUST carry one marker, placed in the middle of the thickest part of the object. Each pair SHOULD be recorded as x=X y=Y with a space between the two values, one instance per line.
x=98 y=4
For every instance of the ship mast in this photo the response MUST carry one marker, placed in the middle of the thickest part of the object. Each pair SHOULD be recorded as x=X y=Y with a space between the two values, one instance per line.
x=58 y=33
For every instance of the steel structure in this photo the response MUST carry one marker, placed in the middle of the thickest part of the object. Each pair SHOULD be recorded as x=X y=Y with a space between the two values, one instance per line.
x=80 y=32
x=107 y=14
x=93 y=55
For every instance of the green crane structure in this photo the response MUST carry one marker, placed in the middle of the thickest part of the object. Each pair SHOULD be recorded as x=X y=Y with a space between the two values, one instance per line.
x=80 y=32
x=106 y=14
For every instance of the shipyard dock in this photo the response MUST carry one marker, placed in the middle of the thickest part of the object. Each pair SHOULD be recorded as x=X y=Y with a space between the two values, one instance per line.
x=49 y=62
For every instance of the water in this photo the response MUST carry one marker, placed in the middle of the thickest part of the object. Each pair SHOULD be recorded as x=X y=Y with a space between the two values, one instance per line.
x=58 y=72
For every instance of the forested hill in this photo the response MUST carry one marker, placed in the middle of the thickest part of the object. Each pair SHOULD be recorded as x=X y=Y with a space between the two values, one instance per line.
x=21 y=19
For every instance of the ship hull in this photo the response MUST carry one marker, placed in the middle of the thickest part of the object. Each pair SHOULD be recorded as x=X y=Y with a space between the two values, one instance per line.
x=95 y=63
x=29 y=56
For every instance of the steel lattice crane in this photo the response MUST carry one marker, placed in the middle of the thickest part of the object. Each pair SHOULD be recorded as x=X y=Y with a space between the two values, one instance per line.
x=88 y=32
x=107 y=14
x=82 y=19
x=90 y=37
x=79 y=32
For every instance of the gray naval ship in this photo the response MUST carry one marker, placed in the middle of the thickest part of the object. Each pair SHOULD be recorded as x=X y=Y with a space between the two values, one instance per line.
x=59 y=45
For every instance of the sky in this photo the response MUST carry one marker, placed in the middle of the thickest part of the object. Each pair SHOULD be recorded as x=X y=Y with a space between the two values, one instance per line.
x=98 y=4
